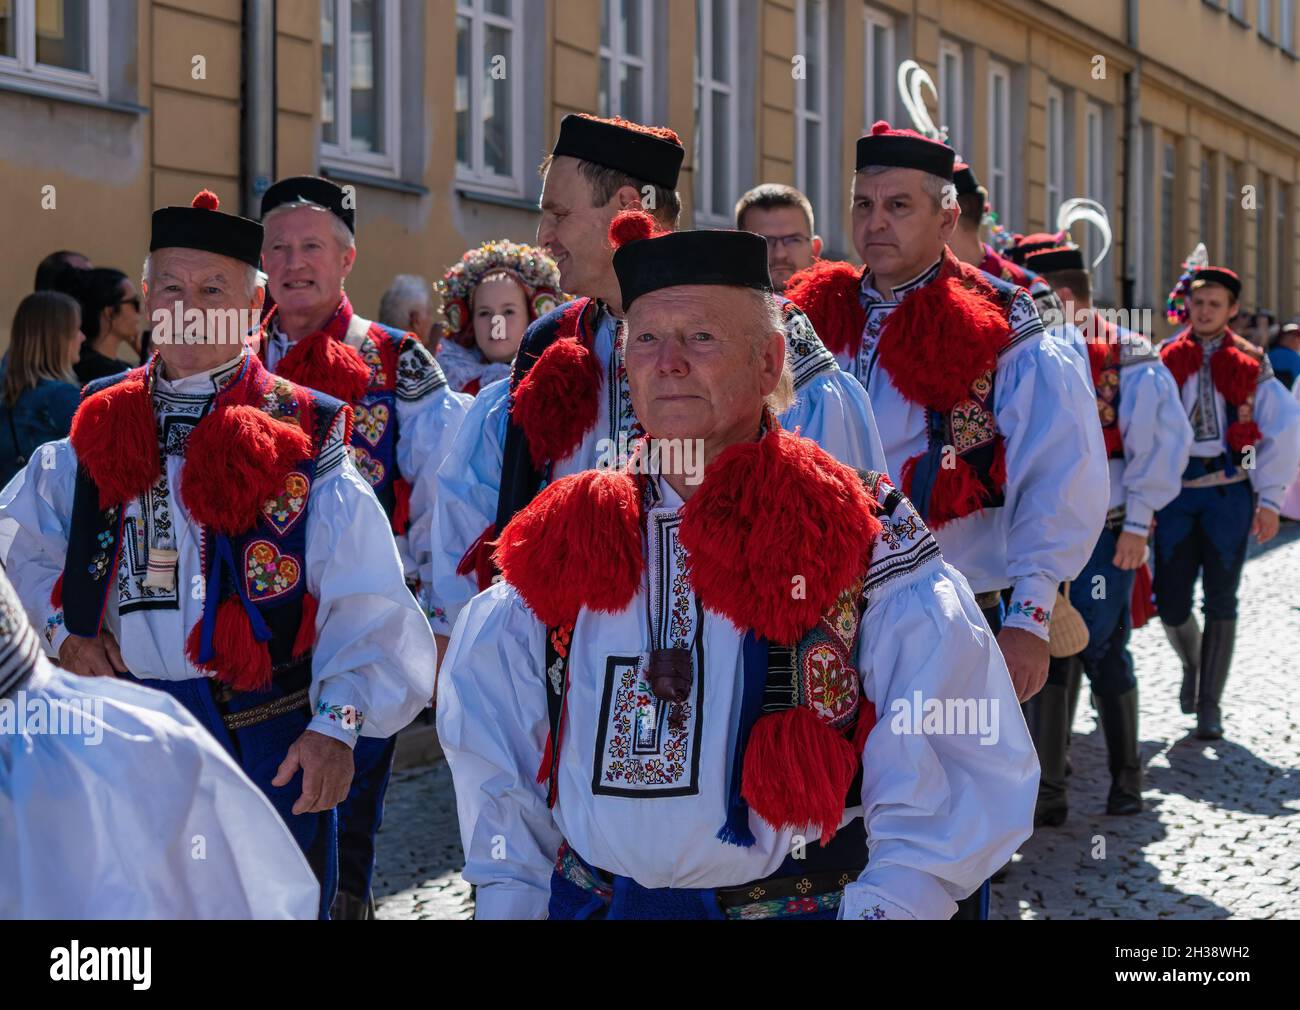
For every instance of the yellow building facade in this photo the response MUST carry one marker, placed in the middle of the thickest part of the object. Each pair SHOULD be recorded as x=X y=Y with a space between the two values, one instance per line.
x=1181 y=116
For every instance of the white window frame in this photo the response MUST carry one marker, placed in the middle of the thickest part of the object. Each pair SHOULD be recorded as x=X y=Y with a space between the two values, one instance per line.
x=877 y=21
x=477 y=174
x=705 y=88
x=999 y=163
x=617 y=55
x=1264 y=16
x=1094 y=182
x=803 y=114
x=340 y=153
x=1055 y=153
x=59 y=81
x=1281 y=249
x=1285 y=36
x=1263 y=283
x=1237 y=8
x=1231 y=201
x=1168 y=214
x=953 y=118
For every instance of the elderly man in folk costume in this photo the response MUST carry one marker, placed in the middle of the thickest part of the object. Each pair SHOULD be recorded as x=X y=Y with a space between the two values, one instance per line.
x=405 y=417
x=668 y=708
x=204 y=531
x=1147 y=439
x=87 y=833
x=567 y=406
x=987 y=423
x=1245 y=451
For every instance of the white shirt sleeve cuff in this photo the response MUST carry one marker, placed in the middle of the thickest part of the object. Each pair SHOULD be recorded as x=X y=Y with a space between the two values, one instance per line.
x=511 y=900
x=1137 y=516
x=1032 y=600
x=896 y=892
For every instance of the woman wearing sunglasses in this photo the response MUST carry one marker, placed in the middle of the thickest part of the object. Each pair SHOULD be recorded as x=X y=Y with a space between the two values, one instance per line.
x=110 y=317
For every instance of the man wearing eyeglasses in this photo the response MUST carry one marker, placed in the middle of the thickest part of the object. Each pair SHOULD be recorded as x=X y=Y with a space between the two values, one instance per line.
x=783 y=216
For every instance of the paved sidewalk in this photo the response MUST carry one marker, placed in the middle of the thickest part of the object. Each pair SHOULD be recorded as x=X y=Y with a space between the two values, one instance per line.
x=1217 y=839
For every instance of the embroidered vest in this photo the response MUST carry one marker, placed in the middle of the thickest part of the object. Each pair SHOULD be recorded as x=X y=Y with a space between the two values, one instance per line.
x=375 y=422
x=1235 y=370
x=260 y=570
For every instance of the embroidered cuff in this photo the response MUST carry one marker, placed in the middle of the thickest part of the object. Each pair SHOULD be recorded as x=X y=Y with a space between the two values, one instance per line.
x=54 y=633
x=342 y=722
x=896 y=892
x=1137 y=516
x=1031 y=605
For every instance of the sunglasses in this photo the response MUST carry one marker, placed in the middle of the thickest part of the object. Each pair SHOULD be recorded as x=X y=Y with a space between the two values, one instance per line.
x=133 y=302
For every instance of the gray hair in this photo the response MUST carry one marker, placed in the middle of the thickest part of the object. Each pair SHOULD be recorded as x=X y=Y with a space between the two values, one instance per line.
x=253 y=278
x=405 y=295
x=933 y=186
x=342 y=233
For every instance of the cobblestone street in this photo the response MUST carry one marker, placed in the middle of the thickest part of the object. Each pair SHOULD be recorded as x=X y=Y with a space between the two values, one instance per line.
x=1217 y=839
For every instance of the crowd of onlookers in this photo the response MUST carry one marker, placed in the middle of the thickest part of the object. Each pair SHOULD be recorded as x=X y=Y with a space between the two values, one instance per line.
x=85 y=322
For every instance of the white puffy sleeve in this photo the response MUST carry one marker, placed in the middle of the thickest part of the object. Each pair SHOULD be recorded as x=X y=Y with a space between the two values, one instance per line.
x=831 y=407
x=1278 y=456
x=90 y=835
x=1157 y=438
x=465 y=501
x=428 y=416
x=1057 y=479
x=947 y=799
x=35 y=517
x=372 y=669
x=492 y=725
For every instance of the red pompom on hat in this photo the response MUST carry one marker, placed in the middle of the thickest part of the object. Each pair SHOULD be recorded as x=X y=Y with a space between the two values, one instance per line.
x=633 y=226
x=206 y=200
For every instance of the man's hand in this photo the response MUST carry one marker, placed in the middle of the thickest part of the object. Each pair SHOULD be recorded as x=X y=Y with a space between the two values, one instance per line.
x=1026 y=655
x=1264 y=528
x=1130 y=551
x=96 y=657
x=327 y=768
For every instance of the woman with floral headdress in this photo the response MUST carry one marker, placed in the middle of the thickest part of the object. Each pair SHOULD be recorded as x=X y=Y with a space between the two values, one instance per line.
x=488 y=300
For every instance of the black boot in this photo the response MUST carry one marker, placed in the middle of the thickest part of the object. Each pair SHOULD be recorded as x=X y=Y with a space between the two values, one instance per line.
x=1216 y=657
x=1076 y=680
x=1118 y=715
x=1186 y=640
x=1045 y=713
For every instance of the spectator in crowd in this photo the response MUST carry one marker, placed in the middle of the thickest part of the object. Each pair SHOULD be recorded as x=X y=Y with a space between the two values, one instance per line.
x=783 y=216
x=56 y=263
x=1284 y=355
x=110 y=317
x=407 y=305
x=38 y=391
x=489 y=298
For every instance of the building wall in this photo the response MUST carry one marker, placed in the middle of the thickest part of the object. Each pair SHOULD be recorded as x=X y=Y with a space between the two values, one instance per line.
x=1209 y=85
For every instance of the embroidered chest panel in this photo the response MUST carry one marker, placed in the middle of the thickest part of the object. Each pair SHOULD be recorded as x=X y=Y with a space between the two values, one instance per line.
x=640 y=751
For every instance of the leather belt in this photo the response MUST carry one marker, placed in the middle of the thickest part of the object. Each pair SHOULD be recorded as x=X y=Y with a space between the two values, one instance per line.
x=268 y=710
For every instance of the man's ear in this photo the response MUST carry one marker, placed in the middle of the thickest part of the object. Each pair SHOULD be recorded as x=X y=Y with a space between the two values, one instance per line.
x=259 y=298
x=349 y=259
x=948 y=217
x=817 y=246
x=629 y=198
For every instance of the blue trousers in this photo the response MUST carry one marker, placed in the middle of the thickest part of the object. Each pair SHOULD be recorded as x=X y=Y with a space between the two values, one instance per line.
x=259 y=751
x=1102 y=594
x=1205 y=531
x=362 y=812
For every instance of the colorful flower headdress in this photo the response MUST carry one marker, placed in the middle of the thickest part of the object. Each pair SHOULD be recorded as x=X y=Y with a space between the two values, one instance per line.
x=1176 y=306
x=532 y=267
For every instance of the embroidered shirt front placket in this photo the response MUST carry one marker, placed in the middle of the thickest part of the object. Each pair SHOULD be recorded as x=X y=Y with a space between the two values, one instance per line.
x=1205 y=416
x=878 y=309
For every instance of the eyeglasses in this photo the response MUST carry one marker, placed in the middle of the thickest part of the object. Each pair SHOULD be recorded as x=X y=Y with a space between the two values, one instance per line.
x=133 y=302
x=786 y=241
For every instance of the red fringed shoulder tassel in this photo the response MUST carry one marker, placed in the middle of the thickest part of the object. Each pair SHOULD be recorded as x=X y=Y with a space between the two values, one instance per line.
x=322 y=362
x=238 y=658
x=943 y=337
x=116 y=440
x=236 y=459
x=775 y=533
x=829 y=294
x=1182 y=356
x=557 y=402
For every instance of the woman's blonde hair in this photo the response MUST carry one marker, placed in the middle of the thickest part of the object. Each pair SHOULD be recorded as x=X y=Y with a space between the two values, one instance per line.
x=45 y=324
